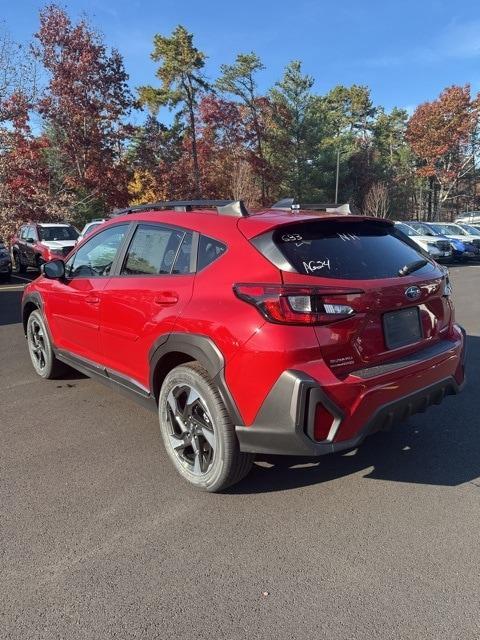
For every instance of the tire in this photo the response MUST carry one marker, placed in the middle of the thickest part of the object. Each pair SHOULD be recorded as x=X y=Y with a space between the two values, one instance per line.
x=19 y=266
x=201 y=440
x=40 y=348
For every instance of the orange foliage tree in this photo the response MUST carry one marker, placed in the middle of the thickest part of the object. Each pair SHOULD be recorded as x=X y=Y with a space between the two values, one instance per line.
x=442 y=135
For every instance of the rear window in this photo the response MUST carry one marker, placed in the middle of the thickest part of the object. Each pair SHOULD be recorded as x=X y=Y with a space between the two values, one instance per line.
x=355 y=250
x=209 y=250
x=50 y=234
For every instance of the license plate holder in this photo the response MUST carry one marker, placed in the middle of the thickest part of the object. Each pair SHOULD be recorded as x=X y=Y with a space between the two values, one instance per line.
x=402 y=327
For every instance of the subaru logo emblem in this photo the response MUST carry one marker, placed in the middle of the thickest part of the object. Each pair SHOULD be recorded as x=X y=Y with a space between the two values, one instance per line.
x=412 y=293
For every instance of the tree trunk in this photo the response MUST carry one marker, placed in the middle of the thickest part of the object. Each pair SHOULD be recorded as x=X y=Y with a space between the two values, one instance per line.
x=437 y=200
x=196 y=168
x=430 y=198
x=258 y=135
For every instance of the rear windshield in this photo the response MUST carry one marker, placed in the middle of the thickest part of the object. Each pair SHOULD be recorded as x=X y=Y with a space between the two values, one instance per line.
x=50 y=234
x=355 y=250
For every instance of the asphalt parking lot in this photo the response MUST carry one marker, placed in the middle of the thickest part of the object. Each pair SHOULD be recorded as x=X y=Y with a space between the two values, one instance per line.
x=99 y=538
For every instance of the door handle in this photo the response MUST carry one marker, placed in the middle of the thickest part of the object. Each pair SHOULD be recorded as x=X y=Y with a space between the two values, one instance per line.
x=92 y=299
x=166 y=298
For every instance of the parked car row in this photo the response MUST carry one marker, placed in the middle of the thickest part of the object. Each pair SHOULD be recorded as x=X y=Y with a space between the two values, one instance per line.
x=444 y=241
x=37 y=243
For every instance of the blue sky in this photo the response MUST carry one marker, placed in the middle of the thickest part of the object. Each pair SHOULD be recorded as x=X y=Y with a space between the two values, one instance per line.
x=406 y=51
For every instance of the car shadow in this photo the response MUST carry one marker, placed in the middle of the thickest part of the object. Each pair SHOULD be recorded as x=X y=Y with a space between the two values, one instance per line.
x=463 y=263
x=439 y=447
x=10 y=312
x=11 y=297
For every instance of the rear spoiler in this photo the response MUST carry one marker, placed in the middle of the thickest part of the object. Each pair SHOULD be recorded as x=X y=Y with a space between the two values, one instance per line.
x=289 y=204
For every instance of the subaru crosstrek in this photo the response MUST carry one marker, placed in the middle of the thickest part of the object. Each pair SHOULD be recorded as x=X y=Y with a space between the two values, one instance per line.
x=283 y=332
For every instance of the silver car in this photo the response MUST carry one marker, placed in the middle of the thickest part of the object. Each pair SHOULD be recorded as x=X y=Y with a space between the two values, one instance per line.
x=437 y=249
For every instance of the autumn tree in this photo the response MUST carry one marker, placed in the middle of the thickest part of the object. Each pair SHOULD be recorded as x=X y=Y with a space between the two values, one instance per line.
x=182 y=81
x=239 y=79
x=83 y=107
x=17 y=71
x=224 y=147
x=25 y=179
x=441 y=133
x=154 y=154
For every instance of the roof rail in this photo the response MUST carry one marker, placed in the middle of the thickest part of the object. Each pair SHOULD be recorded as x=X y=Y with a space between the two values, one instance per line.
x=234 y=208
x=291 y=204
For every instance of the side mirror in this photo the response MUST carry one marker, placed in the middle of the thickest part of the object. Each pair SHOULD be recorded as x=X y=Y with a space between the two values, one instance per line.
x=53 y=270
x=30 y=240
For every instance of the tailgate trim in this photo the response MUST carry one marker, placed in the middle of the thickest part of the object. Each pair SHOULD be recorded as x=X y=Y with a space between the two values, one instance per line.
x=432 y=351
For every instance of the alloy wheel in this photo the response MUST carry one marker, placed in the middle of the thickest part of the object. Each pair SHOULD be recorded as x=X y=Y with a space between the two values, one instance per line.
x=191 y=432
x=36 y=343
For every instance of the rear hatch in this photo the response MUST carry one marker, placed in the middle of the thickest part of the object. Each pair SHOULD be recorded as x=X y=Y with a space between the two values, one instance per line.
x=355 y=263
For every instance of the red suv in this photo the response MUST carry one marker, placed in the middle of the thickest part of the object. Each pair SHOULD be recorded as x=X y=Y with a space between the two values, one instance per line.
x=282 y=332
x=37 y=243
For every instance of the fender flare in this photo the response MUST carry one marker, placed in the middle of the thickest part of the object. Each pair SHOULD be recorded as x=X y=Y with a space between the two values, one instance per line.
x=31 y=298
x=203 y=350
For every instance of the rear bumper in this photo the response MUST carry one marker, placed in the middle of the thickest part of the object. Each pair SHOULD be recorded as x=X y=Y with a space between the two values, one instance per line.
x=284 y=424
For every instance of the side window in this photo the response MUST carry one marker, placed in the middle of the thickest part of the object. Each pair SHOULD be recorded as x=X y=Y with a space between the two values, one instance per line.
x=184 y=256
x=208 y=251
x=152 y=251
x=95 y=257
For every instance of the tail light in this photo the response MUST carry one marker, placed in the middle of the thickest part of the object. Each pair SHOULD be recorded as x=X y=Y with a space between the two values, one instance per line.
x=292 y=304
x=447 y=289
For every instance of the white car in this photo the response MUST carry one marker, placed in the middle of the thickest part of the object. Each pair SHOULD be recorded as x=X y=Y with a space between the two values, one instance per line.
x=437 y=248
x=470 y=217
x=89 y=227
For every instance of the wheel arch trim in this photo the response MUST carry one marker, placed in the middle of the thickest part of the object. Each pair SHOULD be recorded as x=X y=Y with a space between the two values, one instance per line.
x=203 y=350
x=34 y=298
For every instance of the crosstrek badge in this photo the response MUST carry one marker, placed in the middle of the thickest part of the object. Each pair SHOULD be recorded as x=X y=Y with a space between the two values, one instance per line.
x=339 y=362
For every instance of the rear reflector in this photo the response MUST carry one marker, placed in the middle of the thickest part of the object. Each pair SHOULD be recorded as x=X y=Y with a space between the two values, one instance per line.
x=323 y=422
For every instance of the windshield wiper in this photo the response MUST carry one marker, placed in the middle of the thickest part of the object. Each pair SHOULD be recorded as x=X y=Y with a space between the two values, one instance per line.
x=413 y=266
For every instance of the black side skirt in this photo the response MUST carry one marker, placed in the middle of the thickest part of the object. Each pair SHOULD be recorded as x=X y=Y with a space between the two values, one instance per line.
x=112 y=379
